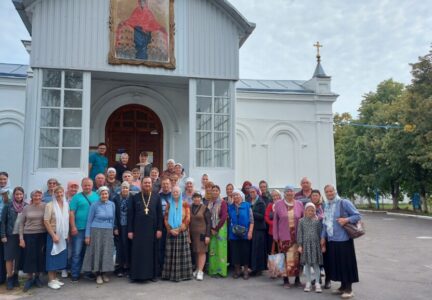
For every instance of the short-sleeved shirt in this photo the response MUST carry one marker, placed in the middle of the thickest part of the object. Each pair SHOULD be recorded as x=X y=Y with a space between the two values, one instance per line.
x=81 y=207
x=99 y=164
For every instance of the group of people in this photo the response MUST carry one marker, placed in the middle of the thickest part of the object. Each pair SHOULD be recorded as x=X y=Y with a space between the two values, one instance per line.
x=168 y=227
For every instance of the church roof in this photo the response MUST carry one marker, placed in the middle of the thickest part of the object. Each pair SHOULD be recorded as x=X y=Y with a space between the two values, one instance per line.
x=13 y=70
x=273 y=86
x=243 y=24
x=319 y=71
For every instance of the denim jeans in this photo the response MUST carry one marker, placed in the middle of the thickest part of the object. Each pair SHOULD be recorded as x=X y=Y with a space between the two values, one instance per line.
x=78 y=251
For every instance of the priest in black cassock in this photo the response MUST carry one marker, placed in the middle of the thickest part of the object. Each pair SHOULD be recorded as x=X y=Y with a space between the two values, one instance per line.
x=144 y=229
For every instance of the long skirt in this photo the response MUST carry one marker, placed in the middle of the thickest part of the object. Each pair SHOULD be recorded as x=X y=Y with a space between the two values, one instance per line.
x=292 y=258
x=2 y=264
x=218 y=260
x=55 y=262
x=123 y=247
x=258 y=251
x=340 y=262
x=178 y=261
x=12 y=251
x=240 y=252
x=34 y=252
x=99 y=254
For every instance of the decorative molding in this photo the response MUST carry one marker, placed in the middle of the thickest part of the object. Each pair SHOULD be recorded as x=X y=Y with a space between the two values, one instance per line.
x=11 y=116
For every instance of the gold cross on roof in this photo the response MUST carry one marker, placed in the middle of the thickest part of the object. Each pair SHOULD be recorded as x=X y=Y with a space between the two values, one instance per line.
x=318 y=46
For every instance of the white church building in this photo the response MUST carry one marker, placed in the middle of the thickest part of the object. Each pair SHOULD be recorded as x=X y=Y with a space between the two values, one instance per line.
x=194 y=109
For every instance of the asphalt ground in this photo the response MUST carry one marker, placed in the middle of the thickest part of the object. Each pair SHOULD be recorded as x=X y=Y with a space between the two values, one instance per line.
x=394 y=260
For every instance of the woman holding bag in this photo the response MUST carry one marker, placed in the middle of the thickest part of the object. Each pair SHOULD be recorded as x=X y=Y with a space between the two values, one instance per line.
x=240 y=231
x=338 y=245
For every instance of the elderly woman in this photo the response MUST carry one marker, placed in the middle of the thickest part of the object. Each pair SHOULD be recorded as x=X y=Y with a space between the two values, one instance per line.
x=178 y=262
x=218 y=262
x=5 y=196
x=340 y=260
x=56 y=220
x=286 y=217
x=229 y=190
x=32 y=234
x=189 y=190
x=121 y=240
x=241 y=223
x=52 y=183
x=111 y=182
x=9 y=229
x=259 y=242
x=200 y=226
x=144 y=165
x=181 y=174
x=269 y=213
x=99 y=237
x=121 y=166
x=208 y=192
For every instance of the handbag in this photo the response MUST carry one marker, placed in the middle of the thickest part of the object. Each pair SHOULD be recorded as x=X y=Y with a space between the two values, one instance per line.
x=353 y=230
x=239 y=230
x=276 y=265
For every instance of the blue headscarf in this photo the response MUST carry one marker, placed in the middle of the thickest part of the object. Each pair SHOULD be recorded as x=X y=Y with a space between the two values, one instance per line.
x=175 y=213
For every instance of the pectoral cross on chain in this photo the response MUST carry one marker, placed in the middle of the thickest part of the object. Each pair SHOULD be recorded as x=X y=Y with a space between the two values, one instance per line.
x=146 y=210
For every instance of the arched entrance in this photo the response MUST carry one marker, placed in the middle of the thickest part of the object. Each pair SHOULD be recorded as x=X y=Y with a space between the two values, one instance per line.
x=133 y=129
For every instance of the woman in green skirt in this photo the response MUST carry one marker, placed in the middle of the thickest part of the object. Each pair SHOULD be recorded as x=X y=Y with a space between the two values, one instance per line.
x=218 y=243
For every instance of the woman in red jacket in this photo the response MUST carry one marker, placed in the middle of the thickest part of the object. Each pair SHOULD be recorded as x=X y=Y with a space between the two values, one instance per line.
x=268 y=217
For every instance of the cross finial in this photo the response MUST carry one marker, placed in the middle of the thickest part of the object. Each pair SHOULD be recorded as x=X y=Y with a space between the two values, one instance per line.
x=318 y=56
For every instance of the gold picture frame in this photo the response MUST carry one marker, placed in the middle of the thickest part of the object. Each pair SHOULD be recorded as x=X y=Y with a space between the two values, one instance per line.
x=142 y=33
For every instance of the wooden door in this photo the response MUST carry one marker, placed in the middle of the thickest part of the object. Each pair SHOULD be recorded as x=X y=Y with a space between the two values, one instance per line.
x=133 y=129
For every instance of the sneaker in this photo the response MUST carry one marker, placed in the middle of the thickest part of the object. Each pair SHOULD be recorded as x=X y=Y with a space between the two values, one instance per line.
x=347 y=295
x=200 y=275
x=105 y=278
x=99 y=280
x=74 y=279
x=38 y=282
x=318 y=288
x=307 y=287
x=64 y=274
x=195 y=273
x=53 y=285
x=120 y=274
x=89 y=276
x=58 y=282
x=27 y=285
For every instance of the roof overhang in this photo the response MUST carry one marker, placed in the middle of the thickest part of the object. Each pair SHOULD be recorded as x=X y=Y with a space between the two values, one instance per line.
x=20 y=6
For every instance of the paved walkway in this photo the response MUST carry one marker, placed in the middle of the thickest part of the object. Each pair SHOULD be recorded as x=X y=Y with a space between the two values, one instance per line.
x=394 y=257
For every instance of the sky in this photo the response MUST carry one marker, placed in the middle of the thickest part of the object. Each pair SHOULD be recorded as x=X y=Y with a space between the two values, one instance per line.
x=364 y=41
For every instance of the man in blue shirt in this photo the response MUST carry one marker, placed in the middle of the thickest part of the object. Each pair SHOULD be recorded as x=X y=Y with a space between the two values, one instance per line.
x=98 y=162
x=79 y=210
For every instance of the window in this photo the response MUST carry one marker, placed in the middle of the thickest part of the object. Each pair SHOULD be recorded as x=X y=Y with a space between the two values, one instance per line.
x=213 y=123
x=60 y=119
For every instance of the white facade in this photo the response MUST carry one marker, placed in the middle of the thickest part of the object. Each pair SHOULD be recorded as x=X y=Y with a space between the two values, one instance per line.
x=259 y=130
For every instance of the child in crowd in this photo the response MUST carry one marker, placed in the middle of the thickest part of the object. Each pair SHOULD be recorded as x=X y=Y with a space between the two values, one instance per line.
x=308 y=239
x=136 y=178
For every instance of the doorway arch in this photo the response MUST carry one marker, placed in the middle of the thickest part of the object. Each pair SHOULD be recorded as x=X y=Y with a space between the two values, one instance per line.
x=133 y=129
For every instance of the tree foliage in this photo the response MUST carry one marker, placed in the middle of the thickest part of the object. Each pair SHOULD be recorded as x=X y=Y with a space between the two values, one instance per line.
x=377 y=152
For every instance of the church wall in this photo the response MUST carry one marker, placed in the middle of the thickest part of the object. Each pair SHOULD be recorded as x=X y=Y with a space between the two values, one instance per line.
x=12 y=111
x=284 y=138
x=75 y=35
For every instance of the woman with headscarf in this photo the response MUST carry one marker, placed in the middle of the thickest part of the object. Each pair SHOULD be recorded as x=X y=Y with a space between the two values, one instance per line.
x=241 y=223
x=189 y=190
x=99 y=237
x=178 y=261
x=264 y=191
x=111 y=182
x=5 y=196
x=218 y=263
x=271 y=245
x=32 y=234
x=245 y=189
x=287 y=215
x=259 y=241
x=340 y=259
x=56 y=220
x=122 y=241
x=9 y=232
